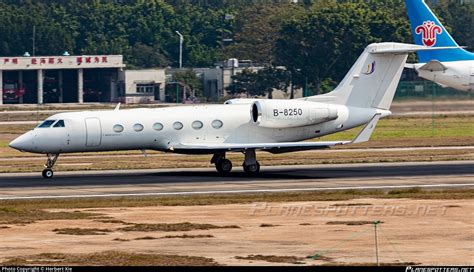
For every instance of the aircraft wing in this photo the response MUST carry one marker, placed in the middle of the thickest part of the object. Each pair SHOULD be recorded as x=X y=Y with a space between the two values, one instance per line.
x=281 y=147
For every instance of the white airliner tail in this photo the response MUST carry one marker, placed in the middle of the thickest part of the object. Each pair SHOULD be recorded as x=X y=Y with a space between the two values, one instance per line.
x=373 y=79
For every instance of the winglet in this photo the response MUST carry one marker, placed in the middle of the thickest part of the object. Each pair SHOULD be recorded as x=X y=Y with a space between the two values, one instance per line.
x=117 y=107
x=364 y=134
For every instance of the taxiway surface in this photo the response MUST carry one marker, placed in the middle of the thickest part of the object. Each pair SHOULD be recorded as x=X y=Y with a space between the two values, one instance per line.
x=207 y=181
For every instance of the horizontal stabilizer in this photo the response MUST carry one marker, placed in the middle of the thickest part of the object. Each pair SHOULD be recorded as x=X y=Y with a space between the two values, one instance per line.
x=433 y=66
x=399 y=48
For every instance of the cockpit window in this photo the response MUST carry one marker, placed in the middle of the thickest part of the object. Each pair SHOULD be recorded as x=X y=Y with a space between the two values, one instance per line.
x=59 y=123
x=46 y=124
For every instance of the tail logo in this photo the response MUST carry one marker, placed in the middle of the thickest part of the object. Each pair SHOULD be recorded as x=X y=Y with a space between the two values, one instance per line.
x=370 y=69
x=429 y=30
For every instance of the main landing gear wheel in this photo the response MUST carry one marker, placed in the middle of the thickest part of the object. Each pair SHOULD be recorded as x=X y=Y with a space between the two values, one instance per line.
x=48 y=173
x=252 y=169
x=224 y=166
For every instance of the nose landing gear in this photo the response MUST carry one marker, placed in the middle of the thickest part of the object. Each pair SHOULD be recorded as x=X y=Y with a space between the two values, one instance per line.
x=48 y=171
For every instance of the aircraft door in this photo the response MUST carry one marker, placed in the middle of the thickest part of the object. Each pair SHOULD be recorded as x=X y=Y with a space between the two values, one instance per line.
x=93 y=132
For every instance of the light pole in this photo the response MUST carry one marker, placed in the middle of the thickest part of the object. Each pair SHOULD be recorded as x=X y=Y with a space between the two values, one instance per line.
x=181 y=39
x=376 y=242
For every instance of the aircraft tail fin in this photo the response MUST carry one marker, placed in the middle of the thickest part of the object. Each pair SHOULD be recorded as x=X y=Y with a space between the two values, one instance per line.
x=373 y=79
x=428 y=31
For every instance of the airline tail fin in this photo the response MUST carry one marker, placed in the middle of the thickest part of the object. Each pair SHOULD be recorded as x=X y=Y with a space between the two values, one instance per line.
x=427 y=30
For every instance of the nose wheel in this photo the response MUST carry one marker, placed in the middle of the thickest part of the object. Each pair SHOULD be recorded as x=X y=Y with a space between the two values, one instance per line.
x=48 y=171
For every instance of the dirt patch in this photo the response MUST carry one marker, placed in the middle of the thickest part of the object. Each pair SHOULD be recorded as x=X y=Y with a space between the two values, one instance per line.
x=10 y=214
x=110 y=258
x=272 y=259
x=186 y=226
x=146 y=238
x=79 y=231
x=452 y=206
x=351 y=223
x=264 y=225
x=349 y=204
x=443 y=237
x=186 y=236
x=4 y=227
x=305 y=224
x=113 y=221
x=121 y=240
x=320 y=257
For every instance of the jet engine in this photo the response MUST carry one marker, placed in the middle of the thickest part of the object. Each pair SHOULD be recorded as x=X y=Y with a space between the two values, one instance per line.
x=291 y=113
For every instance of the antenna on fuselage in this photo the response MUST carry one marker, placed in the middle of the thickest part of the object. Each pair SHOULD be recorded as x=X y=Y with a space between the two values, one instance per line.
x=117 y=107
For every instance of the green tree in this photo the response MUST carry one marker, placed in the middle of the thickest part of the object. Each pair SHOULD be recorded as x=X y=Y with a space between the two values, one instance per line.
x=259 y=83
x=257 y=28
x=189 y=79
x=323 y=44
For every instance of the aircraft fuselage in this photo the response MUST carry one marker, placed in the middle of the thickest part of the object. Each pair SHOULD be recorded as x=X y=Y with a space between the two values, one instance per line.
x=458 y=75
x=160 y=128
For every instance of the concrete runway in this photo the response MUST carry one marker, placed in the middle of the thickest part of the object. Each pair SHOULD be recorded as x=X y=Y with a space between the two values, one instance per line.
x=206 y=181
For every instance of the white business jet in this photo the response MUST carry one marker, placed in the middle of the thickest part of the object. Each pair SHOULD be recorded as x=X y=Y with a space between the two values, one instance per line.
x=448 y=68
x=240 y=125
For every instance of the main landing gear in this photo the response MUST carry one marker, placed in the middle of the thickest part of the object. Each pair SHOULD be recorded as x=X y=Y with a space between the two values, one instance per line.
x=48 y=171
x=251 y=166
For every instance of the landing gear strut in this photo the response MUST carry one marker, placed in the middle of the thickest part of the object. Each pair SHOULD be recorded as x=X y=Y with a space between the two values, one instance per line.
x=223 y=165
x=48 y=171
x=251 y=165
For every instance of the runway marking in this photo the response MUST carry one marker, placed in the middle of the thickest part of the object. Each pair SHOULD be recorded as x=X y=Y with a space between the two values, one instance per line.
x=240 y=191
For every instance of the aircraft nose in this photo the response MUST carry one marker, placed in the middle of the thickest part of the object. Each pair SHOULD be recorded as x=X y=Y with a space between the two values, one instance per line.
x=23 y=142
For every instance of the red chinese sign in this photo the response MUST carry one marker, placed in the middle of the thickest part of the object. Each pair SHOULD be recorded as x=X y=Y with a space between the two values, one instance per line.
x=56 y=60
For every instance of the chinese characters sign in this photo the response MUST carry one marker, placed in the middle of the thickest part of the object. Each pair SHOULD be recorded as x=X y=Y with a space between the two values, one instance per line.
x=61 y=62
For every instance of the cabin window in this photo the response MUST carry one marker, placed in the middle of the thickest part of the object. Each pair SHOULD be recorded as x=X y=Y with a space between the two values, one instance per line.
x=217 y=124
x=46 y=124
x=59 y=124
x=138 y=127
x=158 y=126
x=197 y=125
x=178 y=125
x=118 y=128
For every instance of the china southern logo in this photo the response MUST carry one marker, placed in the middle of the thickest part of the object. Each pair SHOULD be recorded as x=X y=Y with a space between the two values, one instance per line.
x=370 y=69
x=429 y=30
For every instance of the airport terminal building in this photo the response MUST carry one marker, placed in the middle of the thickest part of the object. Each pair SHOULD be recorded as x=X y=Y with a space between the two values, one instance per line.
x=77 y=79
